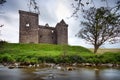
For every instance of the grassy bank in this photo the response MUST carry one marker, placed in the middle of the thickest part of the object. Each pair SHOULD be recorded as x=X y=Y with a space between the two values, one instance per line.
x=104 y=50
x=39 y=53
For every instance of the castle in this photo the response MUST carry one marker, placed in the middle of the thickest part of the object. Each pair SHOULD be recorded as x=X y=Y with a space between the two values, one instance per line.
x=31 y=32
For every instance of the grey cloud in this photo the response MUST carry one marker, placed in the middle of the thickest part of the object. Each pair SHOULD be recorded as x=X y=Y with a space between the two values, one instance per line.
x=47 y=11
x=47 y=16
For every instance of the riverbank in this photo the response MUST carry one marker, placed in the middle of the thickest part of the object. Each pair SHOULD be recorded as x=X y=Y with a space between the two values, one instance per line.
x=57 y=54
x=62 y=66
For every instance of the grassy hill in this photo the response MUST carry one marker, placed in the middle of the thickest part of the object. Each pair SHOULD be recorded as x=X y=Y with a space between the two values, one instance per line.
x=37 y=53
x=41 y=49
x=104 y=50
x=30 y=52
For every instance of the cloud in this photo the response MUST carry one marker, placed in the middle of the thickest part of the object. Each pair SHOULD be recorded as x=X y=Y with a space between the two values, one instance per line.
x=10 y=30
x=46 y=16
x=62 y=11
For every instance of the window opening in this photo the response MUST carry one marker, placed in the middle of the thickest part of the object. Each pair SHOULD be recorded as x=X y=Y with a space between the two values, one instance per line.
x=27 y=25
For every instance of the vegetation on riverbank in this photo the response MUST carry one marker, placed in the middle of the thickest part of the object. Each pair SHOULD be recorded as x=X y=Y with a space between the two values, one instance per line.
x=40 y=53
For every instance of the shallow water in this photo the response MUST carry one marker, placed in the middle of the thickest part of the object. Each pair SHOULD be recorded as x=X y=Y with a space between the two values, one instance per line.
x=56 y=74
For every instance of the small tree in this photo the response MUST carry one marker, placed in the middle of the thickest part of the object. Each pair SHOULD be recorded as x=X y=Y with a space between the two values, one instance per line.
x=100 y=25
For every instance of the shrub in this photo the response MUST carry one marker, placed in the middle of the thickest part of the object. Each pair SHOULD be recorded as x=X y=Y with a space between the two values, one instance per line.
x=7 y=58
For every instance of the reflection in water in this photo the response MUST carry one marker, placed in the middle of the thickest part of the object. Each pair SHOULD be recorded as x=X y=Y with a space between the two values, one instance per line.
x=110 y=74
x=97 y=76
x=55 y=74
x=10 y=74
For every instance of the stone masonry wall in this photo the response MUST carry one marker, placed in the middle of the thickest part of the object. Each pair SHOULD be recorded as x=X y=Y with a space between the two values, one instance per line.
x=47 y=35
x=32 y=32
x=28 y=27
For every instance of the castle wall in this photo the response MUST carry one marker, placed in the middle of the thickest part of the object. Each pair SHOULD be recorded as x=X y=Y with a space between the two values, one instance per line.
x=62 y=33
x=32 y=32
x=47 y=35
x=28 y=27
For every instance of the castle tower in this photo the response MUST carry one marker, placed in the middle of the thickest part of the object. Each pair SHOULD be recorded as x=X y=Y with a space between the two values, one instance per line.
x=62 y=32
x=28 y=27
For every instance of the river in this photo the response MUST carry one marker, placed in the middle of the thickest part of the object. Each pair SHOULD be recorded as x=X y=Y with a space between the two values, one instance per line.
x=57 y=74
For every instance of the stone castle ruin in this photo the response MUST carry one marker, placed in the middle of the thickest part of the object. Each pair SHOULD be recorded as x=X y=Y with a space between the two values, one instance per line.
x=31 y=32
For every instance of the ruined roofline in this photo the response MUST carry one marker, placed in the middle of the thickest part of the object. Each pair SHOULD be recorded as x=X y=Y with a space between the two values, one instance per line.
x=28 y=13
x=44 y=27
x=62 y=22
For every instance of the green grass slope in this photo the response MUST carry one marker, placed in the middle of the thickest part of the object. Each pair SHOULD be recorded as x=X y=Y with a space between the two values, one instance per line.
x=41 y=49
x=39 y=53
x=28 y=52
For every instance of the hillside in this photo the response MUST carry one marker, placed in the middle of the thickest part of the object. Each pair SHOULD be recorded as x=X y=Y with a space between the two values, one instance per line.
x=24 y=52
x=41 y=49
x=40 y=53
x=103 y=50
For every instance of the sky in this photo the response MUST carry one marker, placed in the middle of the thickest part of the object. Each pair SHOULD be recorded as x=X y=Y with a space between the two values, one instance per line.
x=51 y=12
